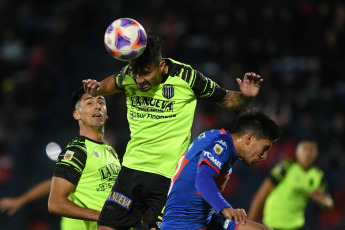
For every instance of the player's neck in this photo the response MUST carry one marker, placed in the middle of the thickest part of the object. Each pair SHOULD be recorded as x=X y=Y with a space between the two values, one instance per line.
x=93 y=133
x=305 y=167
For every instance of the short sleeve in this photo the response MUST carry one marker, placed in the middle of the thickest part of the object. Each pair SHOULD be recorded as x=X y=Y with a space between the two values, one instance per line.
x=279 y=171
x=206 y=88
x=70 y=164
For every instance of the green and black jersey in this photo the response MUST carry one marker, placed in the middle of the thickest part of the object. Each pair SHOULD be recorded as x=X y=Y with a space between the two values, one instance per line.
x=160 y=120
x=91 y=166
x=285 y=205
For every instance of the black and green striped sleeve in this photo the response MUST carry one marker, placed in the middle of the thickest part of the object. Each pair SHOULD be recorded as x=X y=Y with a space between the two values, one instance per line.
x=120 y=77
x=70 y=164
x=279 y=171
x=203 y=86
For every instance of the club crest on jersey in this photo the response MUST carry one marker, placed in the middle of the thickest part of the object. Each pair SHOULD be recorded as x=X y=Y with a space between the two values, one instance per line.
x=96 y=154
x=68 y=155
x=218 y=149
x=111 y=151
x=168 y=91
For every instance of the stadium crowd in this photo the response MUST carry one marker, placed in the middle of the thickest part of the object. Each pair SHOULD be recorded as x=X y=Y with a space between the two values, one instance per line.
x=297 y=46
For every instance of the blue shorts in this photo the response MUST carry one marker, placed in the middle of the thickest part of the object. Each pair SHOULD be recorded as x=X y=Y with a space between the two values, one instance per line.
x=219 y=222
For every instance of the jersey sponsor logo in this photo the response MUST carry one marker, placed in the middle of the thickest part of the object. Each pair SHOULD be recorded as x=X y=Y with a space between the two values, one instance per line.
x=218 y=149
x=213 y=159
x=222 y=143
x=96 y=154
x=109 y=172
x=168 y=91
x=150 y=116
x=120 y=199
x=149 y=104
x=68 y=155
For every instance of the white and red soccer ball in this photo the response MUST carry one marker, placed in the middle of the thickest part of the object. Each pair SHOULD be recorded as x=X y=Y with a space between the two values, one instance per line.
x=125 y=39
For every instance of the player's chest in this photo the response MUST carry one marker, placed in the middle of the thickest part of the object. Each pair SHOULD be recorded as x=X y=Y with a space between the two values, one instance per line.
x=301 y=182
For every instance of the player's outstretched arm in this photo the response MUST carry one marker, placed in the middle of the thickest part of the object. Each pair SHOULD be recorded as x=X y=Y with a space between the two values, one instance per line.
x=258 y=201
x=60 y=205
x=249 y=89
x=12 y=205
x=104 y=88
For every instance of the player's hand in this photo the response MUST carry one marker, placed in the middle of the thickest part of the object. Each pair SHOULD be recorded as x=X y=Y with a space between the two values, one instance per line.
x=11 y=205
x=92 y=87
x=318 y=195
x=250 y=85
x=239 y=215
x=323 y=199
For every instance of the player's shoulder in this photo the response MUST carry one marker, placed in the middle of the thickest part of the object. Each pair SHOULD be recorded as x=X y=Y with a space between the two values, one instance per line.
x=179 y=69
x=218 y=137
x=77 y=143
x=287 y=163
x=282 y=167
x=175 y=64
x=317 y=170
x=221 y=134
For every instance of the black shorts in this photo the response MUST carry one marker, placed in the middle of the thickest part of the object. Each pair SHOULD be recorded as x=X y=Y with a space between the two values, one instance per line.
x=133 y=193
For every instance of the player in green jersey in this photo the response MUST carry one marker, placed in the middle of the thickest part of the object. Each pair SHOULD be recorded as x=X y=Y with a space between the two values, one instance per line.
x=86 y=169
x=161 y=96
x=284 y=195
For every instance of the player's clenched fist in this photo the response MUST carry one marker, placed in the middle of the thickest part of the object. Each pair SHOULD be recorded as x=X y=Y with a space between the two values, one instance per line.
x=239 y=215
x=92 y=87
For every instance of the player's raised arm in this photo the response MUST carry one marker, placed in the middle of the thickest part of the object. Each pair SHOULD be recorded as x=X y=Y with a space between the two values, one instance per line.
x=249 y=89
x=104 y=88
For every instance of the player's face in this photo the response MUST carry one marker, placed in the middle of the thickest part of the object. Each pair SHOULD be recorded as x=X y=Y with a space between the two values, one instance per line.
x=306 y=153
x=92 y=111
x=148 y=77
x=256 y=150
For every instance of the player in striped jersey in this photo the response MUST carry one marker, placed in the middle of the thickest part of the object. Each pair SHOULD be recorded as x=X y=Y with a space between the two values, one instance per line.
x=161 y=96
x=86 y=169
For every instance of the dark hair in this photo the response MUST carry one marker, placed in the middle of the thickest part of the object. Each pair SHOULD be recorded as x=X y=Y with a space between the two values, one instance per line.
x=256 y=122
x=151 y=54
x=76 y=96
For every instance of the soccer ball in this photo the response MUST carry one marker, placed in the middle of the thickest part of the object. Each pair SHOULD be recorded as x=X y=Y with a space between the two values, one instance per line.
x=125 y=39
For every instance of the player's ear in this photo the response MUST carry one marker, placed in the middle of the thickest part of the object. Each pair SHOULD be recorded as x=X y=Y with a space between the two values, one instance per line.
x=76 y=115
x=161 y=65
x=249 y=138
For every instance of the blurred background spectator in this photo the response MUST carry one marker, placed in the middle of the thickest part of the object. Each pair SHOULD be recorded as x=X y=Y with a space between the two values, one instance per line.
x=48 y=47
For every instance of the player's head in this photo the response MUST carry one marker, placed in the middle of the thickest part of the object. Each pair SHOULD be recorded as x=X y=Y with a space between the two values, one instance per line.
x=255 y=132
x=147 y=69
x=88 y=110
x=306 y=153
